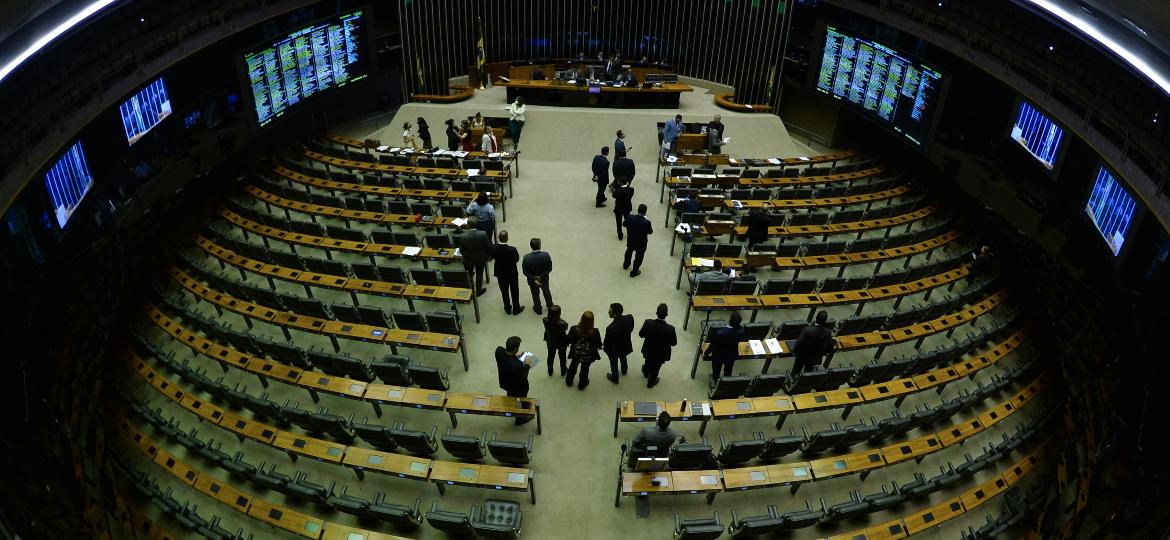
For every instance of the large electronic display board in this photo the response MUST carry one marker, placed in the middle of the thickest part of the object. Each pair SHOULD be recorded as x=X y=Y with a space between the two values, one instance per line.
x=145 y=110
x=893 y=88
x=67 y=183
x=1111 y=209
x=315 y=59
x=1037 y=133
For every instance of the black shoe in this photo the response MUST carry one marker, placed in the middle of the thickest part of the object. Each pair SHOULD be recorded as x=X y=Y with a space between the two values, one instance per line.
x=568 y=382
x=507 y=310
x=635 y=273
x=611 y=378
x=625 y=266
x=537 y=310
x=582 y=385
x=481 y=292
x=625 y=368
x=599 y=205
x=518 y=310
x=652 y=382
x=620 y=238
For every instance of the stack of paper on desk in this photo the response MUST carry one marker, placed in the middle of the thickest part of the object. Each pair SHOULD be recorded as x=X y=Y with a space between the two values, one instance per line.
x=757 y=347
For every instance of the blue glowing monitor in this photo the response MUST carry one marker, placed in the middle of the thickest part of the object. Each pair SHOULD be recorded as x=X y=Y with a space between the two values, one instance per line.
x=1038 y=134
x=145 y=110
x=1111 y=209
x=68 y=182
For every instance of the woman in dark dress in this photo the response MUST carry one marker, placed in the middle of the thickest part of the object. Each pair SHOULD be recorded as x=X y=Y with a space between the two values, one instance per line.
x=424 y=133
x=465 y=135
x=554 y=337
x=585 y=342
x=452 y=136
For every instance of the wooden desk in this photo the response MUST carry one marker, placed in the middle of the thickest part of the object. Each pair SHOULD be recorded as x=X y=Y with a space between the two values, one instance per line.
x=500 y=177
x=401 y=220
x=337 y=531
x=669 y=483
x=915 y=449
x=933 y=516
x=557 y=94
x=745 y=407
x=366 y=459
x=449 y=473
x=702 y=159
x=727 y=101
x=861 y=462
x=224 y=493
x=286 y=518
x=680 y=411
x=491 y=405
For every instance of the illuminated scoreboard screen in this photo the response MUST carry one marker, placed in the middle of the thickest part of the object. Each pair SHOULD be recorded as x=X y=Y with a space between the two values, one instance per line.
x=145 y=110
x=1036 y=132
x=305 y=63
x=898 y=91
x=67 y=182
x=1111 y=209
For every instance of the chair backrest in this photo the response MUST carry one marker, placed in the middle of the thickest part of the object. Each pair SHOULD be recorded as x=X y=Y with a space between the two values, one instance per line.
x=703 y=249
x=375 y=434
x=697 y=529
x=413 y=441
x=405 y=517
x=444 y=322
x=730 y=386
x=766 y=384
x=409 y=320
x=372 y=315
x=365 y=271
x=510 y=452
x=737 y=452
x=707 y=288
x=429 y=377
x=691 y=456
x=392 y=370
x=353 y=368
x=426 y=276
x=742 y=286
x=757 y=330
x=781 y=446
x=345 y=313
x=453 y=523
x=497 y=519
x=457 y=278
x=753 y=526
x=463 y=446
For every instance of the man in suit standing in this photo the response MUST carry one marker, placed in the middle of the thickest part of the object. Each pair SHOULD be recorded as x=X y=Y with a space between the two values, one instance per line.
x=506 y=258
x=815 y=341
x=619 y=147
x=657 y=338
x=724 y=347
x=623 y=195
x=623 y=168
x=537 y=265
x=638 y=229
x=512 y=367
x=671 y=132
x=601 y=174
x=474 y=246
x=617 y=344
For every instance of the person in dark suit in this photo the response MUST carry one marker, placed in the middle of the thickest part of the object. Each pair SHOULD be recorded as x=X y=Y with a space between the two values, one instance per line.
x=601 y=174
x=657 y=338
x=758 y=223
x=659 y=436
x=619 y=146
x=584 y=341
x=623 y=167
x=638 y=230
x=623 y=195
x=815 y=341
x=979 y=262
x=537 y=265
x=555 y=329
x=618 y=345
x=506 y=258
x=453 y=137
x=512 y=368
x=474 y=246
x=724 y=348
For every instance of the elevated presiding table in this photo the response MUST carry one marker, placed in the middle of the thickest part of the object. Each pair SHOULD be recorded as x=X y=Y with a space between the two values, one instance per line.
x=560 y=94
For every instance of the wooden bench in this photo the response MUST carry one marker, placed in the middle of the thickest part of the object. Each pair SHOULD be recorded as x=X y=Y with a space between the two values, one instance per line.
x=727 y=101
x=373 y=393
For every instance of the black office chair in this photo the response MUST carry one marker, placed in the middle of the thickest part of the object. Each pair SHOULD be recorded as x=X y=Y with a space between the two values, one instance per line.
x=416 y=442
x=303 y=489
x=766 y=384
x=392 y=369
x=739 y=452
x=729 y=386
x=497 y=519
x=335 y=426
x=690 y=456
x=429 y=377
x=350 y=504
x=510 y=452
x=698 y=528
x=403 y=517
x=753 y=526
x=375 y=434
x=452 y=523
x=464 y=447
x=781 y=446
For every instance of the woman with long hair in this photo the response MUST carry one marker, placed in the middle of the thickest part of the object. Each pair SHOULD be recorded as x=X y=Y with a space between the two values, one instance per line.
x=424 y=133
x=554 y=337
x=584 y=340
x=465 y=136
x=452 y=135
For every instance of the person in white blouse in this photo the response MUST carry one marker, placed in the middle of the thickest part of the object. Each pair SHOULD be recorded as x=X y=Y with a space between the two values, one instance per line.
x=516 y=119
x=408 y=139
x=490 y=144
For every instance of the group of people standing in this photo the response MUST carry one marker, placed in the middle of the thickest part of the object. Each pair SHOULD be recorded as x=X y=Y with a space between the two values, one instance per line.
x=635 y=228
x=461 y=136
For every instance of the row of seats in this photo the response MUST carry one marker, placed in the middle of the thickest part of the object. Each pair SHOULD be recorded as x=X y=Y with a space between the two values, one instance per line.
x=183 y=512
x=786 y=172
x=811 y=248
x=378 y=205
x=477 y=184
x=871 y=185
x=419 y=160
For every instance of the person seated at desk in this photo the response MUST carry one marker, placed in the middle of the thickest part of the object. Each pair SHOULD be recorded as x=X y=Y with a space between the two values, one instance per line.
x=626 y=77
x=489 y=144
x=660 y=436
x=714 y=274
x=689 y=205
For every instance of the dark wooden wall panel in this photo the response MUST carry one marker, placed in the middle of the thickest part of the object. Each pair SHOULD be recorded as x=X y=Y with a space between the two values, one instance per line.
x=732 y=42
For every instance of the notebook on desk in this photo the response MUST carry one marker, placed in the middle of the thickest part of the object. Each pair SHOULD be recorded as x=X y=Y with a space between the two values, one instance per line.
x=645 y=408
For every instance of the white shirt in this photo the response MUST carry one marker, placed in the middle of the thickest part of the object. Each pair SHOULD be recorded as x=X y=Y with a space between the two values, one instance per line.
x=516 y=113
x=408 y=138
x=489 y=144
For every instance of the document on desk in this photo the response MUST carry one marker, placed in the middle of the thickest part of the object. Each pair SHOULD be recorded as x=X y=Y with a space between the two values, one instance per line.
x=494 y=155
x=683 y=228
x=671 y=159
x=732 y=160
x=459 y=154
x=411 y=251
x=774 y=161
x=458 y=253
x=382 y=148
x=704 y=263
x=804 y=158
x=757 y=347
x=459 y=222
x=472 y=172
x=749 y=106
x=738 y=205
x=395 y=150
x=773 y=345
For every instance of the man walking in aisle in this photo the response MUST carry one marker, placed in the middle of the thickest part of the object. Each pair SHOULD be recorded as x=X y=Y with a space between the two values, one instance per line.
x=638 y=230
x=537 y=265
x=657 y=339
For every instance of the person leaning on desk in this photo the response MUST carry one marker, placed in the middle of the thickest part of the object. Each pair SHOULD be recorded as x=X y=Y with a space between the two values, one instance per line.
x=512 y=368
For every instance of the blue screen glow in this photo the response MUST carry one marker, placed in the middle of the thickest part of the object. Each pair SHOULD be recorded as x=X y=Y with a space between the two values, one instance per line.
x=145 y=110
x=1112 y=209
x=1037 y=133
x=68 y=182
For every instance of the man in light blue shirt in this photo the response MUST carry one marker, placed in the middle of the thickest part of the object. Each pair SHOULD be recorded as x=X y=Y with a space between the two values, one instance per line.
x=670 y=133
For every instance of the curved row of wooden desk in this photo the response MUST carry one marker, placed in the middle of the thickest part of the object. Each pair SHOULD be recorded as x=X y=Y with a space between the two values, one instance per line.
x=793 y=475
x=369 y=249
x=760 y=302
x=510 y=158
x=311 y=209
x=453 y=403
x=732 y=181
x=286 y=320
x=356 y=458
x=712 y=160
x=354 y=286
x=843 y=260
x=784 y=405
x=500 y=177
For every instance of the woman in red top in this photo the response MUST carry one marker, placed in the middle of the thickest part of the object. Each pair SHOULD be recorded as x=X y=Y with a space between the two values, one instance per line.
x=465 y=134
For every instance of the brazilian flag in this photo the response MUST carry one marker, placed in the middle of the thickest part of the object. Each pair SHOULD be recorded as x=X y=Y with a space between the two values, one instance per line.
x=480 y=56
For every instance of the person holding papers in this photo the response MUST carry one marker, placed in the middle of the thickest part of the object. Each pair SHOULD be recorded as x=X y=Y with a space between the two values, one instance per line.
x=408 y=140
x=815 y=341
x=516 y=119
x=670 y=134
x=474 y=246
x=724 y=348
x=512 y=368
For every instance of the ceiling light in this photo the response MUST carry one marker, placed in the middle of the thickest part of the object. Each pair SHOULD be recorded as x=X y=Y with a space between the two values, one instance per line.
x=53 y=33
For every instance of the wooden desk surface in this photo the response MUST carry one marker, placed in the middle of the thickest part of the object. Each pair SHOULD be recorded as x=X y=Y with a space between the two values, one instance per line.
x=817 y=203
x=549 y=84
x=931 y=517
x=790 y=473
x=498 y=176
x=814 y=401
x=694 y=410
x=224 y=493
x=911 y=449
x=309 y=446
x=642 y=483
x=468 y=403
x=690 y=159
x=337 y=531
x=745 y=478
x=248 y=428
x=399 y=465
x=383 y=191
x=829 y=467
x=402 y=220
x=471 y=474
x=698 y=481
x=287 y=519
x=981 y=493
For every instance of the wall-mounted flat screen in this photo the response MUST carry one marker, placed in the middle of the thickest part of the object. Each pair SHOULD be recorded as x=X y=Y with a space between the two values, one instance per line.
x=1111 y=209
x=893 y=88
x=145 y=110
x=67 y=183
x=315 y=59
x=1037 y=133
